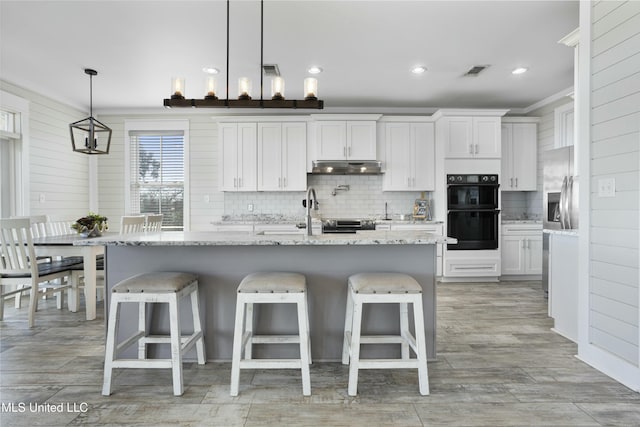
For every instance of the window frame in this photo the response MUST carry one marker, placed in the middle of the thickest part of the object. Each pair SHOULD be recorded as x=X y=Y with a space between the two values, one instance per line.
x=157 y=126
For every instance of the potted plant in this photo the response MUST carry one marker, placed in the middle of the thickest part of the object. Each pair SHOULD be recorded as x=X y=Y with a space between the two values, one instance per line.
x=92 y=225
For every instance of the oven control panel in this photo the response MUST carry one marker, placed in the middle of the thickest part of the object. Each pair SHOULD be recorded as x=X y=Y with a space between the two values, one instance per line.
x=472 y=179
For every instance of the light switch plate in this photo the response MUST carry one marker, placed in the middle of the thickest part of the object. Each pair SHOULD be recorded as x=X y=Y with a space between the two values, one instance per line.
x=250 y=207
x=607 y=187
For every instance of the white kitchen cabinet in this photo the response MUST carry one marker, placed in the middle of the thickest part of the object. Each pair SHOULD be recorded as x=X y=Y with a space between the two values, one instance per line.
x=282 y=153
x=472 y=137
x=237 y=156
x=431 y=228
x=519 y=157
x=521 y=249
x=345 y=140
x=410 y=157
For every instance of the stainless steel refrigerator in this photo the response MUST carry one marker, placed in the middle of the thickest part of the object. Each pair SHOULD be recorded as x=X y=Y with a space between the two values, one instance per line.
x=560 y=200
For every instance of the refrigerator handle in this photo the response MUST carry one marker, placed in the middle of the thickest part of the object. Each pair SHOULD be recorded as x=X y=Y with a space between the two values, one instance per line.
x=563 y=203
x=569 y=202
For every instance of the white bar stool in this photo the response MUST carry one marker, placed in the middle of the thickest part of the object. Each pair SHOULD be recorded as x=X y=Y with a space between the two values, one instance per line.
x=163 y=287
x=384 y=288
x=270 y=288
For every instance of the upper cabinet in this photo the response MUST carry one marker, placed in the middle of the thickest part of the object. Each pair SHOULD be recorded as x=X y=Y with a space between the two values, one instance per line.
x=470 y=134
x=345 y=139
x=282 y=153
x=409 y=157
x=237 y=156
x=519 y=154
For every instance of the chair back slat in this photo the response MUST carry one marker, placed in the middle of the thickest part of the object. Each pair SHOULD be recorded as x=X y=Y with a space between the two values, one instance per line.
x=154 y=222
x=59 y=227
x=132 y=224
x=16 y=247
x=37 y=224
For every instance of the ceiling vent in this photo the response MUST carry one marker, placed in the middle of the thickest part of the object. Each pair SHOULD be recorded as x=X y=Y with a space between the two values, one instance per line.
x=271 y=70
x=475 y=70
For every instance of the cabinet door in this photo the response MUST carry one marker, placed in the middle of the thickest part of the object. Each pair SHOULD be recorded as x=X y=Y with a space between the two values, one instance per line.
x=398 y=152
x=533 y=263
x=513 y=255
x=247 y=157
x=269 y=157
x=331 y=140
x=423 y=156
x=486 y=137
x=506 y=162
x=361 y=140
x=228 y=156
x=524 y=156
x=458 y=136
x=294 y=156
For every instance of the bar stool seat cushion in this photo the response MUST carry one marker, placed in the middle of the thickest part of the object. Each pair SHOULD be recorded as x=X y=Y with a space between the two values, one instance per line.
x=384 y=283
x=161 y=282
x=273 y=282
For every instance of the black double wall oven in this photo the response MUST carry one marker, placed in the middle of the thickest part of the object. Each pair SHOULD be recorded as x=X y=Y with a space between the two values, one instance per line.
x=472 y=211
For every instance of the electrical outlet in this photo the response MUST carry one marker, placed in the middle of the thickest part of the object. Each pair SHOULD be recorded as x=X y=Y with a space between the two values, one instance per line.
x=250 y=207
x=607 y=187
x=41 y=199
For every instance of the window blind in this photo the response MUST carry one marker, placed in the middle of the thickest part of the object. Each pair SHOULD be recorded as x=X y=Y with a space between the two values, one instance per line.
x=157 y=175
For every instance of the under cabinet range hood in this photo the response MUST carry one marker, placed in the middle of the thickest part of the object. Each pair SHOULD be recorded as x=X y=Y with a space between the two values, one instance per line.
x=347 y=167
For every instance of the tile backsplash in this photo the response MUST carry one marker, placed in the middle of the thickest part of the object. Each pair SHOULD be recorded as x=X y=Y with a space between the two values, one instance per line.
x=364 y=198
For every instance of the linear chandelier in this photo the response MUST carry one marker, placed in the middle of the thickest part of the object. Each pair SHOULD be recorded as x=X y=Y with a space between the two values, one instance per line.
x=244 y=88
x=90 y=133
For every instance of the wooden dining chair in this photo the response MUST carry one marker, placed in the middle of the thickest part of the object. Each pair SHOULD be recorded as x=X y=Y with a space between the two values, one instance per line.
x=154 y=223
x=132 y=224
x=18 y=266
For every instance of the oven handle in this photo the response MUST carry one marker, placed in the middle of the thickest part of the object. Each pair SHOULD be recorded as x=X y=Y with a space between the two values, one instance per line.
x=497 y=211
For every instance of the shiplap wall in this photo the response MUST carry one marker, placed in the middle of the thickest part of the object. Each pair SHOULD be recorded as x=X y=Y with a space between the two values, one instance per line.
x=615 y=153
x=203 y=178
x=56 y=173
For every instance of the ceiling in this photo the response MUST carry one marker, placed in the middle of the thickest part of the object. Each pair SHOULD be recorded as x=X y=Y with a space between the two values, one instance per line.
x=366 y=49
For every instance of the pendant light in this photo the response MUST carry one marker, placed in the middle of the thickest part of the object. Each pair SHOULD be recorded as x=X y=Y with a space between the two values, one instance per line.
x=245 y=100
x=89 y=136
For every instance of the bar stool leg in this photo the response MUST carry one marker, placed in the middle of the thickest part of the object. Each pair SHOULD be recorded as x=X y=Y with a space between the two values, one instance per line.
x=238 y=335
x=404 y=328
x=354 y=350
x=110 y=353
x=306 y=300
x=197 y=328
x=142 y=326
x=348 y=324
x=303 y=327
x=423 y=374
x=176 y=346
x=248 y=327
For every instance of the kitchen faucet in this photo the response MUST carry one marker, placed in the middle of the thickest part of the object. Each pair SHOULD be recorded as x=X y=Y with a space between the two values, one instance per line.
x=311 y=193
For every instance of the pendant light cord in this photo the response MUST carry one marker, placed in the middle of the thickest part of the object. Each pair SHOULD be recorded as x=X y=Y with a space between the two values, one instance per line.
x=228 y=52
x=261 y=46
x=90 y=95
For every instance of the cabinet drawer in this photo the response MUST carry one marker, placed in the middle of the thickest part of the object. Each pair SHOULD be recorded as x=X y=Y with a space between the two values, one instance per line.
x=522 y=229
x=472 y=267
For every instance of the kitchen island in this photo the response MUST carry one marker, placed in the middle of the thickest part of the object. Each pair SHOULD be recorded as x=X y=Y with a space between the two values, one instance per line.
x=222 y=259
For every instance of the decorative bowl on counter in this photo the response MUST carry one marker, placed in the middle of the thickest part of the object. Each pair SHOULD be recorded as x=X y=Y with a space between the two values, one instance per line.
x=92 y=225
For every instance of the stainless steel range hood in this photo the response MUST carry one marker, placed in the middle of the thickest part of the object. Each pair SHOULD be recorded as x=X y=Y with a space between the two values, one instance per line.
x=347 y=167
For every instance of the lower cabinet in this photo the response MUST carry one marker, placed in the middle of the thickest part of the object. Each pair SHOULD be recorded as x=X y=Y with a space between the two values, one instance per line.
x=521 y=249
x=472 y=264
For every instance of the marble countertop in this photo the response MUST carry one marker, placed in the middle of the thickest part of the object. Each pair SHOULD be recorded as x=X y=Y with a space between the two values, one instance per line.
x=229 y=238
x=522 y=221
x=570 y=232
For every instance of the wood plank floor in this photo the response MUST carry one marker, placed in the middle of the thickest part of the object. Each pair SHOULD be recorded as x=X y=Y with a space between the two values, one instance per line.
x=499 y=364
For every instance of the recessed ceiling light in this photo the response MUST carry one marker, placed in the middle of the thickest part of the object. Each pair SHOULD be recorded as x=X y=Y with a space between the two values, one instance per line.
x=210 y=70
x=520 y=70
x=419 y=69
x=314 y=70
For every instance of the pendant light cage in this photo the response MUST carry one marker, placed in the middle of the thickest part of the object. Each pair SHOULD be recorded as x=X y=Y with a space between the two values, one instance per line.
x=90 y=136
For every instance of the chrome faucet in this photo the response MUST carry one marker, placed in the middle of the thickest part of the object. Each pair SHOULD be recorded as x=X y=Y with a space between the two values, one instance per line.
x=311 y=193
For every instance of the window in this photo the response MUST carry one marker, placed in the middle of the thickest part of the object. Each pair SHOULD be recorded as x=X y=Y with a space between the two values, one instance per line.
x=157 y=175
x=14 y=188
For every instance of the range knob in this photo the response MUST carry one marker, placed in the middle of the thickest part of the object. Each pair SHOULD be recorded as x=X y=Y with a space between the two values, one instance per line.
x=459 y=178
x=485 y=178
x=493 y=178
x=452 y=178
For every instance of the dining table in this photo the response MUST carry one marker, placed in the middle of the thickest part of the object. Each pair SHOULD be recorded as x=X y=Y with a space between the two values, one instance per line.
x=63 y=245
